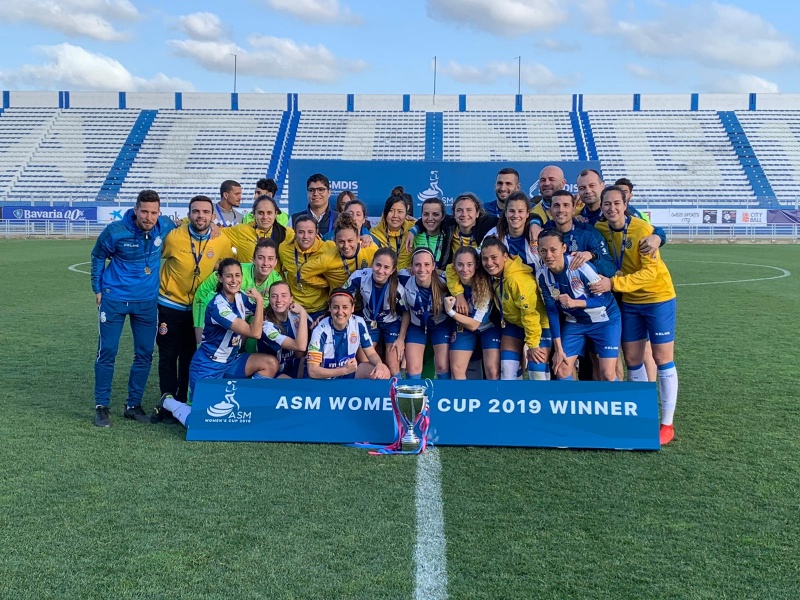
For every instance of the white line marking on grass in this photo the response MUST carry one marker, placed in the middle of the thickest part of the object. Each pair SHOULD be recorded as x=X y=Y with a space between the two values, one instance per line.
x=76 y=270
x=430 y=559
x=783 y=272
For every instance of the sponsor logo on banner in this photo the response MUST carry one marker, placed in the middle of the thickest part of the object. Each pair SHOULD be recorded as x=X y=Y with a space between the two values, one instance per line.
x=685 y=216
x=709 y=217
x=109 y=214
x=433 y=191
x=50 y=213
x=729 y=217
x=228 y=410
x=753 y=217
x=343 y=185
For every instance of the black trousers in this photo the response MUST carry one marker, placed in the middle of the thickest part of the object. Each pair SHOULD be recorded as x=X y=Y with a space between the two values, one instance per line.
x=176 y=347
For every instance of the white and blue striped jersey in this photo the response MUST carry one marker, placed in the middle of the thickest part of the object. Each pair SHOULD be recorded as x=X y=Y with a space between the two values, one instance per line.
x=575 y=283
x=418 y=302
x=331 y=348
x=272 y=339
x=518 y=246
x=479 y=313
x=220 y=343
x=361 y=282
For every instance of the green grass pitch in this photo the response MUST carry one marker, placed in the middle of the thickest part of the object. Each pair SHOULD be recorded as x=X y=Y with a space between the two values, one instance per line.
x=137 y=512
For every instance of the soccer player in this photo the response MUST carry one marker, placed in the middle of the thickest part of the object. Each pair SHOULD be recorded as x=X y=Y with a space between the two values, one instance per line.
x=513 y=227
x=336 y=263
x=310 y=292
x=270 y=188
x=476 y=326
x=190 y=255
x=392 y=229
x=128 y=286
x=259 y=274
x=225 y=325
x=335 y=342
x=516 y=297
x=588 y=317
x=433 y=238
x=286 y=325
x=230 y=198
x=319 y=192
x=505 y=184
x=358 y=210
x=244 y=236
x=424 y=319
x=648 y=301
x=584 y=242
x=382 y=304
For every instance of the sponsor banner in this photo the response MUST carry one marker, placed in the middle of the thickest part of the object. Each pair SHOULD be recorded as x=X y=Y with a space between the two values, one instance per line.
x=783 y=217
x=556 y=414
x=372 y=181
x=706 y=216
x=107 y=214
x=49 y=213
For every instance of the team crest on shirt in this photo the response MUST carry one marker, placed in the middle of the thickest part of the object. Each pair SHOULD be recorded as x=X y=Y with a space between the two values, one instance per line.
x=364 y=264
x=296 y=322
x=157 y=241
x=210 y=254
x=628 y=244
x=573 y=246
x=353 y=338
x=162 y=329
x=575 y=283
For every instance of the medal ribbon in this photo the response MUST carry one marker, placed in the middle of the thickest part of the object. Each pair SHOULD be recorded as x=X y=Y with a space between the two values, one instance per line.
x=344 y=261
x=222 y=217
x=619 y=257
x=439 y=237
x=197 y=256
x=375 y=307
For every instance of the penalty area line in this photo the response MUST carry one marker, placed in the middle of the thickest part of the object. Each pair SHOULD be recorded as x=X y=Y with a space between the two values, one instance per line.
x=75 y=268
x=430 y=558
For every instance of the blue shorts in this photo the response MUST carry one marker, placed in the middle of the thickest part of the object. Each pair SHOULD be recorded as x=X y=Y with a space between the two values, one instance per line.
x=289 y=367
x=386 y=331
x=655 y=322
x=437 y=334
x=578 y=339
x=468 y=340
x=203 y=367
x=517 y=332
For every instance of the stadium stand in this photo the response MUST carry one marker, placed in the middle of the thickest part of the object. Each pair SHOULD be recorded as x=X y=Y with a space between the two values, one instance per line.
x=189 y=152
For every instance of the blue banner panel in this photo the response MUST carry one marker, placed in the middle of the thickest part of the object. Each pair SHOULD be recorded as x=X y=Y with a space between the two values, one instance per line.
x=372 y=181
x=49 y=213
x=551 y=414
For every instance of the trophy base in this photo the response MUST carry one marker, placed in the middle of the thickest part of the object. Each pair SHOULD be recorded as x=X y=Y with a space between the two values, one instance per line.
x=409 y=443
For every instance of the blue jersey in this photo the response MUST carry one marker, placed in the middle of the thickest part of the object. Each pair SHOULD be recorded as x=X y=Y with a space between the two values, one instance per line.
x=220 y=343
x=272 y=339
x=519 y=246
x=585 y=238
x=331 y=348
x=491 y=208
x=593 y=216
x=599 y=308
x=479 y=313
x=376 y=304
x=134 y=259
x=418 y=302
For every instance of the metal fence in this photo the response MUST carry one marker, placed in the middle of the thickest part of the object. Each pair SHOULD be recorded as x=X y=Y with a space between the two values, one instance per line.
x=719 y=233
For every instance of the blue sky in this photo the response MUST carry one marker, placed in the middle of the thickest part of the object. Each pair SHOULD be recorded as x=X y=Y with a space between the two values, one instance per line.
x=387 y=46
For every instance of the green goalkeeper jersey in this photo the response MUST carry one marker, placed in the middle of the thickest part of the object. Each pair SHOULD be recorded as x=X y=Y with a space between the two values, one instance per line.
x=206 y=290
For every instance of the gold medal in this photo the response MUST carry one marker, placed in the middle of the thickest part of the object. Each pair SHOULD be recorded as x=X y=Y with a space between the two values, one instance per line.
x=554 y=293
x=147 y=270
x=373 y=324
x=618 y=274
x=197 y=271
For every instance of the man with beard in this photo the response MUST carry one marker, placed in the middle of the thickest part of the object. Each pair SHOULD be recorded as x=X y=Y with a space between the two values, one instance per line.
x=190 y=255
x=127 y=285
x=505 y=184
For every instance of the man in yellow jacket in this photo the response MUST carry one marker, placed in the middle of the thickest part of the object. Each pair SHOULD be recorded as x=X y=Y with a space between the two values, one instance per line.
x=190 y=255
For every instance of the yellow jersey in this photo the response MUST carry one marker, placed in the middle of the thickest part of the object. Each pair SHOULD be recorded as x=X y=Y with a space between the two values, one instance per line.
x=394 y=240
x=244 y=237
x=188 y=261
x=310 y=292
x=516 y=295
x=330 y=265
x=643 y=280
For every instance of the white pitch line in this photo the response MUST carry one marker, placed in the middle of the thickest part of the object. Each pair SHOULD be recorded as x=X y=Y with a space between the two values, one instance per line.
x=73 y=268
x=430 y=559
x=783 y=272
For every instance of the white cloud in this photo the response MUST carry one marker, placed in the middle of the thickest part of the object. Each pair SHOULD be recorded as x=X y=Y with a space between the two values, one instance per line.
x=741 y=84
x=597 y=16
x=501 y=17
x=316 y=11
x=75 y=68
x=201 y=26
x=712 y=34
x=556 y=45
x=273 y=57
x=536 y=76
x=77 y=18
x=642 y=72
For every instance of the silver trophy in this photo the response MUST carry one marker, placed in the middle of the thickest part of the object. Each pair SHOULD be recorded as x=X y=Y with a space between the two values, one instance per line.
x=411 y=401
